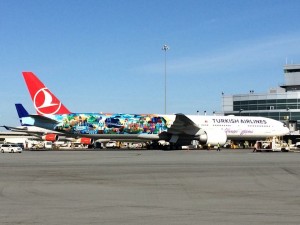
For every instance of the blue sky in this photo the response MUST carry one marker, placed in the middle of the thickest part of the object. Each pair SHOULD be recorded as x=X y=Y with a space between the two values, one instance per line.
x=105 y=56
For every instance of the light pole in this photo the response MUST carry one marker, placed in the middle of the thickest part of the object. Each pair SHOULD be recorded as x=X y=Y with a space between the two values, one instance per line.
x=241 y=110
x=288 y=109
x=165 y=48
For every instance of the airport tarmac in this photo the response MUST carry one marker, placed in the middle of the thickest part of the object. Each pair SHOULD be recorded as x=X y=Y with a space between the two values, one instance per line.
x=149 y=187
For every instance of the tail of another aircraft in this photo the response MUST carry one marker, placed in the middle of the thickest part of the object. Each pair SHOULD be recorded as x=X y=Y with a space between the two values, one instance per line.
x=43 y=100
x=22 y=112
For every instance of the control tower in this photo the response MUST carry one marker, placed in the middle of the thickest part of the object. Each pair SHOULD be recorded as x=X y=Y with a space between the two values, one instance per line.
x=292 y=77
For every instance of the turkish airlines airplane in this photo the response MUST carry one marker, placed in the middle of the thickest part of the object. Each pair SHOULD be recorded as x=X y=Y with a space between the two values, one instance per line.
x=178 y=129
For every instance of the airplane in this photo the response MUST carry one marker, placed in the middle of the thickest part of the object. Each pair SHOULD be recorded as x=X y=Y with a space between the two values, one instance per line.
x=41 y=133
x=177 y=129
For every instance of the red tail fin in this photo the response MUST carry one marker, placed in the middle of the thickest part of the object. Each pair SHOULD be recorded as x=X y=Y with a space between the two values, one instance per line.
x=43 y=100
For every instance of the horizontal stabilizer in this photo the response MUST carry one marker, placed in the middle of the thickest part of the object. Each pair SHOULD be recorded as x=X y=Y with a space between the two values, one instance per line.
x=14 y=128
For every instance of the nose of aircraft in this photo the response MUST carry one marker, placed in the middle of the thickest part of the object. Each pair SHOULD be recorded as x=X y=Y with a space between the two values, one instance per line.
x=285 y=130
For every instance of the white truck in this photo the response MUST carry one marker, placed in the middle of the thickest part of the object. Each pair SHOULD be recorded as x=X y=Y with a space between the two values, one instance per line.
x=273 y=145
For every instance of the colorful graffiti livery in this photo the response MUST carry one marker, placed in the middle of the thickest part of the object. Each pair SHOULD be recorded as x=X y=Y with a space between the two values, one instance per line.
x=94 y=123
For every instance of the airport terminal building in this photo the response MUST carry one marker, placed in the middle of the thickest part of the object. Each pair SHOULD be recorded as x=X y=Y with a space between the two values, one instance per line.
x=281 y=103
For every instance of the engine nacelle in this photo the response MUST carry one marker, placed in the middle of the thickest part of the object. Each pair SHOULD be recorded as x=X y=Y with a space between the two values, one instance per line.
x=86 y=141
x=213 y=137
x=50 y=137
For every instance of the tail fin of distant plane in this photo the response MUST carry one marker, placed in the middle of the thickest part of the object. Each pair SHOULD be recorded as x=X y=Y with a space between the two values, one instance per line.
x=22 y=112
x=43 y=100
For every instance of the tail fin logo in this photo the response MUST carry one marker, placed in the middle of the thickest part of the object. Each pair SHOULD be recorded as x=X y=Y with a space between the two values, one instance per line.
x=45 y=102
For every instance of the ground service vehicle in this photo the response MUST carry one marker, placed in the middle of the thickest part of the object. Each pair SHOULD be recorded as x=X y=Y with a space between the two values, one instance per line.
x=11 y=148
x=271 y=146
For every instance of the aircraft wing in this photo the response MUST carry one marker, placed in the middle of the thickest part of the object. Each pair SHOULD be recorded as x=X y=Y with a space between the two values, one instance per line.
x=183 y=125
x=37 y=134
x=24 y=130
x=14 y=128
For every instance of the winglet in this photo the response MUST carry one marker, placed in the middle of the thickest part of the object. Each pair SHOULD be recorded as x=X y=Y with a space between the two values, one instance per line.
x=44 y=101
x=6 y=127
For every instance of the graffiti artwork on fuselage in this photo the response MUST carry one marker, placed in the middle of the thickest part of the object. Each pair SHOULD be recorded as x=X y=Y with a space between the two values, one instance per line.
x=94 y=123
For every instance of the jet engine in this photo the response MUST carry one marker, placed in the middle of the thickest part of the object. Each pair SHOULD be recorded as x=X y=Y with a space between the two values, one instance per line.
x=212 y=137
x=86 y=141
x=50 y=137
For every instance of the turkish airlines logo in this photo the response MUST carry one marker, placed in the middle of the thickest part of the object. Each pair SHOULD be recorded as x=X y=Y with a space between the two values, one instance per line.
x=44 y=103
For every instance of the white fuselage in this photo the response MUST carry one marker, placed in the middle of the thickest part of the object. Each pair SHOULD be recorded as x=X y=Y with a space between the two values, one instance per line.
x=237 y=127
